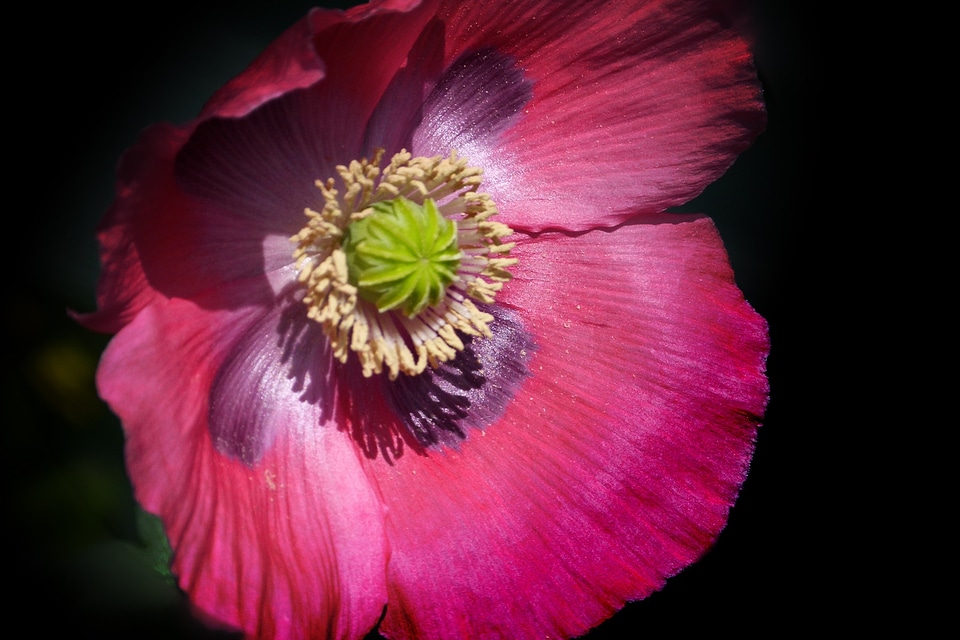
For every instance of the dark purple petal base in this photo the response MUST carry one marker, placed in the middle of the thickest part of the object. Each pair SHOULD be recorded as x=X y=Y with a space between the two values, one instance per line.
x=471 y=392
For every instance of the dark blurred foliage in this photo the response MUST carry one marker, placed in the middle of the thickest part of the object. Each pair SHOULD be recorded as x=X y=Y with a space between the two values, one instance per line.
x=84 y=558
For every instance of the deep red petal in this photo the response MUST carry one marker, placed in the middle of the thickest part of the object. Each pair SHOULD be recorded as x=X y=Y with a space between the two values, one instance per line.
x=225 y=212
x=285 y=548
x=249 y=179
x=617 y=461
x=290 y=62
x=363 y=50
x=265 y=164
x=123 y=288
x=638 y=105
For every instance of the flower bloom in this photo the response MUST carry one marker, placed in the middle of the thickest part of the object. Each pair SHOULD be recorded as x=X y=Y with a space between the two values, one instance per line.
x=403 y=333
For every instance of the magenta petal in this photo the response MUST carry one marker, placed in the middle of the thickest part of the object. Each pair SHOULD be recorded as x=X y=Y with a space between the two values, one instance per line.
x=587 y=451
x=288 y=547
x=637 y=105
x=618 y=459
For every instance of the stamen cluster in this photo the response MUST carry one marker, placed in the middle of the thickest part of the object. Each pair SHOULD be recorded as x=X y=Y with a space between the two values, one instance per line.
x=390 y=340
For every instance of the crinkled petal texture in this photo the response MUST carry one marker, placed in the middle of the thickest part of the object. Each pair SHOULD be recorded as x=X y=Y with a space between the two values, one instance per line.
x=585 y=453
x=288 y=546
x=637 y=105
x=616 y=463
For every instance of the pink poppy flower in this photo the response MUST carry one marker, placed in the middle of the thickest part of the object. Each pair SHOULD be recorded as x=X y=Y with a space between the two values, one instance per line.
x=535 y=410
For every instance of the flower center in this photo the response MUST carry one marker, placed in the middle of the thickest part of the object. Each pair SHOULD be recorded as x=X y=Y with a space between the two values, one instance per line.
x=402 y=255
x=391 y=267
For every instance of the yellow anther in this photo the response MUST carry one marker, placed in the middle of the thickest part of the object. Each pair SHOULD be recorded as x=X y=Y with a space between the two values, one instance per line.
x=389 y=341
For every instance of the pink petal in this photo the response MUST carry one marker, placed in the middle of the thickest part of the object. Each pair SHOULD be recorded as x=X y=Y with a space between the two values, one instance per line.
x=637 y=105
x=616 y=463
x=288 y=547
x=279 y=353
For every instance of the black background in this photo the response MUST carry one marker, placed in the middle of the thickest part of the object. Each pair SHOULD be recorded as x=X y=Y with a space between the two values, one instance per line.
x=93 y=76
